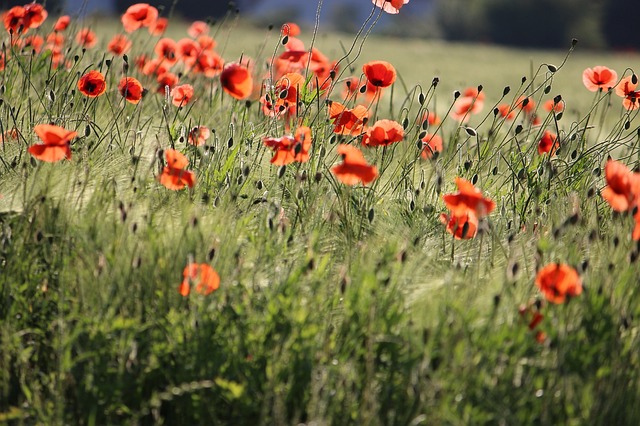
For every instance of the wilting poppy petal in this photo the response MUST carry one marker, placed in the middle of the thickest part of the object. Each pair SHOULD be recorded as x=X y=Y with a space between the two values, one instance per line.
x=354 y=168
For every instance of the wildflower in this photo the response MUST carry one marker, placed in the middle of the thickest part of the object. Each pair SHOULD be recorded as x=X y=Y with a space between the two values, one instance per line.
x=468 y=199
x=290 y=29
x=56 y=143
x=283 y=98
x=551 y=105
x=289 y=149
x=92 y=84
x=62 y=23
x=383 y=133
x=166 y=79
x=174 y=176
x=198 y=28
x=139 y=15
x=348 y=121
x=131 y=89
x=236 y=80
x=203 y=276
x=464 y=107
x=462 y=227
x=558 y=281
x=167 y=50
x=159 y=27
x=627 y=89
x=432 y=146
x=352 y=87
x=526 y=104
x=431 y=118
x=198 y=135
x=119 y=45
x=380 y=73
x=506 y=111
x=390 y=6
x=622 y=188
x=548 y=143
x=354 y=168
x=181 y=95
x=599 y=78
x=86 y=38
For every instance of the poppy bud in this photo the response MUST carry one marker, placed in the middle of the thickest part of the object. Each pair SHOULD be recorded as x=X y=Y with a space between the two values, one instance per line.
x=467 y=165
x=422 y=135
x=456 y=94
x=559 y=116
x=552 y=68
x=518 y=129
x=421 y=98
x=471 y=131
x=317 y=177
x=574 y=41
x=435 y=81
x=230 y=142
x=281 y=171
x=494 y=171
x=524 y=79
x=547 y=90
x=634 y=79
x=405 y=123
x=285 y=40
x=474 y=179
x=496 y=111
x=425 y=124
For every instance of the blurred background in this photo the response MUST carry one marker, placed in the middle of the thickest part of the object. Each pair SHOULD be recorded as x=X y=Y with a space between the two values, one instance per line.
x=598 y=24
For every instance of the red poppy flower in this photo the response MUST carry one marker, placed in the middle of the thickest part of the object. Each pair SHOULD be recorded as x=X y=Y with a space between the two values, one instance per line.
x=155 y=66
x=55 y=41
x=86 y=38
x=119 y=45
x=9 y=135
x=627 y=89
x=131 y=89
x=527 y=104
x=138 y=16
x=167 y=50
x=383 y=133
x=462 y=227
x=62 y=23
x=289 y=149
x=468 y=199
x=92 y=84
x=622 y=188
x=33 y=42
x=159 y=27
x=14 y=20
x=207 y=62
x=198 y=28
x=506 y=111
x=599 y=78
x=380 y=73
x=353 y=86
x=551 y=105
x=56 y=143
x=431 y=118
x=354 y=168
x=548 y=143
x=198 y=135
x=557 y=281
x=390 y=6
x=188 y=51
x=203 y=276
x=348 y=121
x=34 y=15
x=236 y=80
x=174 y=176
x=283 y=98
x=464 y=107
x=432 y=145
x=290 y=29
x=206 y=42
x=167 y=79
x=181 y=95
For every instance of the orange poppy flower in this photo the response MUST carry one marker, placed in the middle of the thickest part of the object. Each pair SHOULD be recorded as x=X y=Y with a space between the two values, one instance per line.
x=627 y=89
x=92 y=84
x=290 y=29
x=464 y=107
x=354 y=168
x=551 y=105
x=432 y=146
x=548 y=143
x=468 y=199
x=206 y=42
x=207 y=62
x=289 y=149
x=348 y=121
x=379 y=73
x=203 y=276
x=34 y=15
x=622 y=188
x=353 y=86
x=431 y=118
x=390 y=6
x=55 y=41
x=13 y=20
x=527 y=104
x=174 y=176
x=283 y=98
x=131 y=89
x=636 y=230
x=62 y=23
x=462 y=227
x=236 y=80
x=599 y=78
x=56 y=143
x=33 y=42
x=181 y=95
x=198 y=135
x=188 y=51
x=9 y=135
x=383 y=133
x=138 y=16
x=86 y=38
x=198 y=28
x=119 y=45
x=557 y=281
x=167 y=79
x=155 y=66
x=506 y=111
x=159 y=27
x=167 y=50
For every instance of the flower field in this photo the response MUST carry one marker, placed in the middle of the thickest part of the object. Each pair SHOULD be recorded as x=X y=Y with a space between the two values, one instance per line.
x=209 y=223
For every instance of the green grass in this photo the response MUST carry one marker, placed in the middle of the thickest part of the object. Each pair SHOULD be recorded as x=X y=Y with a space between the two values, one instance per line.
x=337 y=305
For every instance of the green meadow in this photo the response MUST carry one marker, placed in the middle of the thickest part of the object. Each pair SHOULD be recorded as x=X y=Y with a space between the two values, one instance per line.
x=337 y=304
